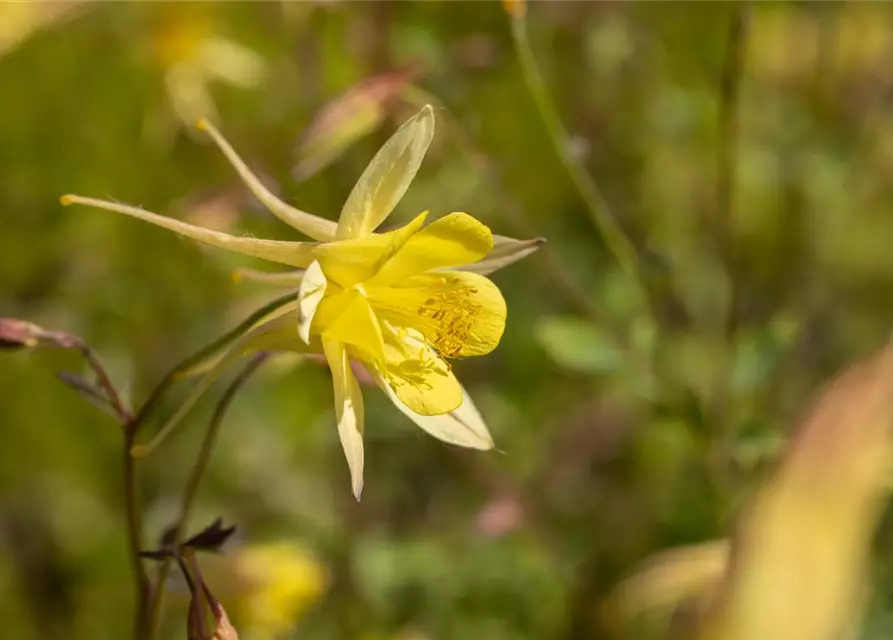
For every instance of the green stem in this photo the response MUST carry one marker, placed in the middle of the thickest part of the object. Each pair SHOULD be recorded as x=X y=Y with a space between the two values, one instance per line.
x=195 y=477
x=207 y=351
x=722 y=227
x=620 y=246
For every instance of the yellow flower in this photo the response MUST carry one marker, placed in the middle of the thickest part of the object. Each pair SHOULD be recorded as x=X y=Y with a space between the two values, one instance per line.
x=193 y=56
x=282 y=582
x=401 y=302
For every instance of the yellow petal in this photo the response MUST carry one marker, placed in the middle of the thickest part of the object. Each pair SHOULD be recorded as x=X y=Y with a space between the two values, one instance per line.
x=387 y=177
x=347 y=317
x=506 y=251
x=349 y=411
x=296 y=254
x=349 y=262
x=307 y=223
x=420 y=378
x=310 y=294
x=458 y=313
x=463 y=426
x=452 y=240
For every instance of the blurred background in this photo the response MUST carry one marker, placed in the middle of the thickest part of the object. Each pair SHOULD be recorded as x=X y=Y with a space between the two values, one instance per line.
x=622 y=426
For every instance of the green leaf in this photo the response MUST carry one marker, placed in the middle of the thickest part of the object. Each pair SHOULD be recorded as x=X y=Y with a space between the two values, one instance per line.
x=578 y=345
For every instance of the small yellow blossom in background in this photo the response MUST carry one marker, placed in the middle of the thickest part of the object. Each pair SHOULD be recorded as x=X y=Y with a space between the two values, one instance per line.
x=192 y=56
x=280 y=582
x=401 y=302
x=20 y=20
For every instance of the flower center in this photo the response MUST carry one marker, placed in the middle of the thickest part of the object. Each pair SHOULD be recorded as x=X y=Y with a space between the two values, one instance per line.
x=446 y=318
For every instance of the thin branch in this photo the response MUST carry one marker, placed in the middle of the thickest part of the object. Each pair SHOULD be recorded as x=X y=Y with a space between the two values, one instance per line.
x=195 y=477
x=727 y=152
x=203 y=353
x=109 y=393
x=69 y=341
x=513 y=213
x=620 y=246
x=135 y=535
x=88 y=391
x=722 y=231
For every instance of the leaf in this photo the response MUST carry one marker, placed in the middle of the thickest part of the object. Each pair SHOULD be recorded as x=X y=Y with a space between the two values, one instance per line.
x=209 y=539
x=801 y=551
x=578 y=345
x=87 y=391
x=759 y=351
x=346 y=119
x=668 y=579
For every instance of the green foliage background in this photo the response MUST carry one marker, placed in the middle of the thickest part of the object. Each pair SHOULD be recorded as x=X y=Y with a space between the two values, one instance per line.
x=621 y=427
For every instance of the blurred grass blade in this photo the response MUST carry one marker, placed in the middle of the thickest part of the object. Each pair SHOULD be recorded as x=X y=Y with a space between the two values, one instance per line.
x=800 y=555
x=668 y=579
x=346 y=119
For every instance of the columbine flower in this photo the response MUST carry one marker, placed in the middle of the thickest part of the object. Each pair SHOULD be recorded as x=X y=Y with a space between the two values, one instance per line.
x=401 y=302
x=192 y=57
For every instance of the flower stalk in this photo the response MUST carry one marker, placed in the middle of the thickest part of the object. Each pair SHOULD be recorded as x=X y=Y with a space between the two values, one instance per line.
x=616 y=240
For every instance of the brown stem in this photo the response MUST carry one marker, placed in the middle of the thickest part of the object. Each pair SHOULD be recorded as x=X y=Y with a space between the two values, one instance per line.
x=131 y=496
x=135 y=536
x=191 y=489
x=205 y=352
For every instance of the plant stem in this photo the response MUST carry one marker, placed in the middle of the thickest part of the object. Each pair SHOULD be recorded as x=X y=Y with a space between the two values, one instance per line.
x=620 y=246
x=205 y=352
x=129 y=426
x=722 y=228
x=513 y=213
x=135 y=535
x=195 y=477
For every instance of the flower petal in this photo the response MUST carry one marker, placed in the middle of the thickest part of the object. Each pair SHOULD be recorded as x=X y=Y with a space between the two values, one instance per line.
x=458 y=313
x=463 y=426
x=387 y=177
x=296 y=254
x=506 y=251
x=310 y=294
x=452 y=240
x=420 y=378
x=347 y=317
x=349 y=411
x=307 y=223
x=349 y=262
